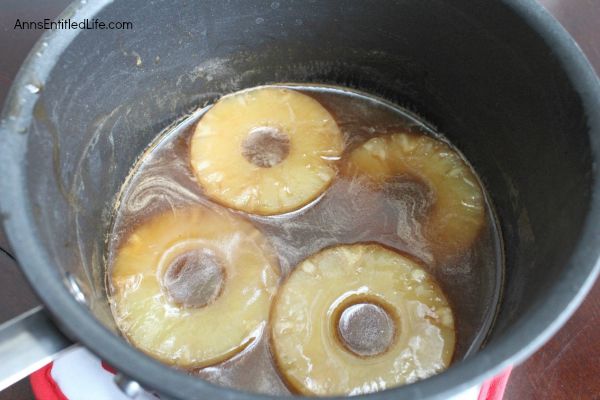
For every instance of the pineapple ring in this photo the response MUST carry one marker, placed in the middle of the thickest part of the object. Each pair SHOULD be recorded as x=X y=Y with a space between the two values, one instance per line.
x=457 y=214
x=174 y=257
x=265 y=151
x=307 y=322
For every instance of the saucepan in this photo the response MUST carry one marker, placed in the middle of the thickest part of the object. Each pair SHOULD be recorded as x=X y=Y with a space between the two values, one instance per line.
x=501 y=79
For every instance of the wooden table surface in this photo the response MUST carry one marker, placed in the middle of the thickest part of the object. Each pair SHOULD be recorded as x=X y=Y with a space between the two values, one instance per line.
x=567 y=367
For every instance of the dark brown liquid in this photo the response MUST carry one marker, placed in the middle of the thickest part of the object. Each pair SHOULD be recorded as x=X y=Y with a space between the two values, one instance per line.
x=348 y=212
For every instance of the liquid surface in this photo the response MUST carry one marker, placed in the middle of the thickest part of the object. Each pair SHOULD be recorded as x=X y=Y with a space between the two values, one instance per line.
x=348 y=212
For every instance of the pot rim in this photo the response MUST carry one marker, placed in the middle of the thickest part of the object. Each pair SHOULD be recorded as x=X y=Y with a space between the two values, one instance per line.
x=539 y=324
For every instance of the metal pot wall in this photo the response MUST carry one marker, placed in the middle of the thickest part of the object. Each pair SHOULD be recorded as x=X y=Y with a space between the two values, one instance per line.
x=501 y=79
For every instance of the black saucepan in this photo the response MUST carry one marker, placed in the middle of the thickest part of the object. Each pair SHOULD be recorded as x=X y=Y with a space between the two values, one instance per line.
x=501 y=79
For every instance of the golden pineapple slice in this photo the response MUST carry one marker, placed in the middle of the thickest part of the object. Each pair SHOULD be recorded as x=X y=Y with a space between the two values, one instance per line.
x=457 y=213
x=193 y=287
x=355 y=319
x=266 y=150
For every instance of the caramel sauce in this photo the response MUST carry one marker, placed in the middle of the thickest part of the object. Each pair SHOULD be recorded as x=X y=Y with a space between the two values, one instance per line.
x=348 y=212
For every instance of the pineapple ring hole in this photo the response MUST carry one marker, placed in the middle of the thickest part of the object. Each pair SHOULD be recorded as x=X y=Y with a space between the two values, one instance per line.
x=407 y=186
x=366 y=329
x=194 y=279
x=266 y=146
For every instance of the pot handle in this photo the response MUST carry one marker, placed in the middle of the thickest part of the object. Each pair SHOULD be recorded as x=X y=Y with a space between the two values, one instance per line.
x=27 y=343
